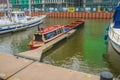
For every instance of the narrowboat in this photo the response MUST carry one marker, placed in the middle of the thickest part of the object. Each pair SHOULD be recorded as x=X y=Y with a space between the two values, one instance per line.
x=45 y=35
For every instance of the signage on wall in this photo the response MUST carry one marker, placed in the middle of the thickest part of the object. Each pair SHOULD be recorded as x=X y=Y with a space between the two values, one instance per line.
x=71 y=9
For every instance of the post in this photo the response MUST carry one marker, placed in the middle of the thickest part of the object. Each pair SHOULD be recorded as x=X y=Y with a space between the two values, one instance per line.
x=106 y=76
x=8 y=7
x=29 y=8
x=84 y=3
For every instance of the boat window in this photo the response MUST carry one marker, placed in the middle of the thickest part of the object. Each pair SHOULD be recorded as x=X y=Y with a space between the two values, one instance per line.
x=23 y=14
x=18 y=15
x=59 y=30
x=50 y=35
x=13 y=14
x=38 y=37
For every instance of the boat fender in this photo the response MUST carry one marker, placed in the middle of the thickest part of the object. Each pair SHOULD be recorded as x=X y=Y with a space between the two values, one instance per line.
x=107 y=28
x=106 y=36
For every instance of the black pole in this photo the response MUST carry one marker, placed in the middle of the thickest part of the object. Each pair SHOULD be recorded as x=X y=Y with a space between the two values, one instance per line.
x=38 y=27
x=106 y=76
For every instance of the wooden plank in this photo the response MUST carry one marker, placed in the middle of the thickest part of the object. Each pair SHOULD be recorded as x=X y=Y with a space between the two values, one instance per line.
x=37 y=53
x=40 y=71
x=9 y=65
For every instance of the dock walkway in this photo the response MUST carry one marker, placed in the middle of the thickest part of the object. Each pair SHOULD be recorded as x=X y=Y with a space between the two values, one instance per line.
x=13 y=68
x=10 y=65
x=37 y=53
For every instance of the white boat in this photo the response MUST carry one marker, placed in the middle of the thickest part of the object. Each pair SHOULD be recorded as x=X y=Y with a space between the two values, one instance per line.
x=114 y=30
x=17 y=21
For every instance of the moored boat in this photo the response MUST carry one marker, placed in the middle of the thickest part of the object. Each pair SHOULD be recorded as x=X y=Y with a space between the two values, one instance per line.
x=45 y=35
x=17 y=21
x=114 y=30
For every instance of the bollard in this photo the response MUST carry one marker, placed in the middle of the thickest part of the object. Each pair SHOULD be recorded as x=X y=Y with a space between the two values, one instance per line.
x=106 y=76
x=1 y=78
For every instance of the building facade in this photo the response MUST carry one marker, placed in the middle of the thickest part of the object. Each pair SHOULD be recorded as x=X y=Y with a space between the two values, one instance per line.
x=63 y=5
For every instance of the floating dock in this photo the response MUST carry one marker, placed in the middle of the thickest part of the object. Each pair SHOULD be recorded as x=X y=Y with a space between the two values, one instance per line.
x=13 y=68
x=37 y=53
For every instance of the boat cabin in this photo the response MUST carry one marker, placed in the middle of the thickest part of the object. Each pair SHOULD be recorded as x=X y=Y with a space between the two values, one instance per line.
x=18 y=17
x=38 y=37
x=45 y=35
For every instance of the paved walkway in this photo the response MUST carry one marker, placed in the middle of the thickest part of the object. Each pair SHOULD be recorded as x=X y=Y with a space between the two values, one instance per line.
x=13 y=68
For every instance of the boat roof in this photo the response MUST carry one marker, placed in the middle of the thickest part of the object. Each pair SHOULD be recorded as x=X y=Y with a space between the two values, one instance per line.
x=50 y=29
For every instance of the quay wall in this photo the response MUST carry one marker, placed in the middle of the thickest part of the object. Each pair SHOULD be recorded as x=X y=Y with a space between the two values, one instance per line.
x=84 y=15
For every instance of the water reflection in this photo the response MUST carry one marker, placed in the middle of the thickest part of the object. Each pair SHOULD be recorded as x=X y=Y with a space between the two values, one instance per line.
x=11 y=43
x=83 y=51
x=113 y=59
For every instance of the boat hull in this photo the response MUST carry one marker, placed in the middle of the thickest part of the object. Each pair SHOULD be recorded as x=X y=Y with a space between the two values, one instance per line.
x=17 y=27
x=114 y=30
x=78 y=26
x=114 y=38
x=115 y=46
x=33 y=47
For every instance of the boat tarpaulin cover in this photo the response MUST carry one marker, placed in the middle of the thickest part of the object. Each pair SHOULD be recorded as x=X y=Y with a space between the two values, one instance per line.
x=116 y=17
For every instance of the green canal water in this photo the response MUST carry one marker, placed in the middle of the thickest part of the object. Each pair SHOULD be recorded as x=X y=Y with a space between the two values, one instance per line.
x=84 y=51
